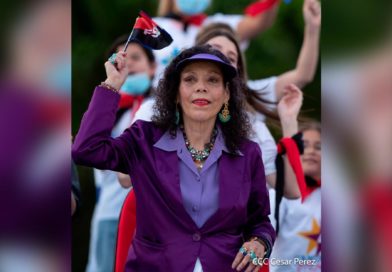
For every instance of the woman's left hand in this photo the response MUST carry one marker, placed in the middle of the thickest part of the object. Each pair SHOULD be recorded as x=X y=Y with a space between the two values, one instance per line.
x=241 y=261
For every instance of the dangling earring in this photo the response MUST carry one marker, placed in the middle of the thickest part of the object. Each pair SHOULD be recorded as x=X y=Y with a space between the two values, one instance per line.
x=225 y=116
x=177 y=121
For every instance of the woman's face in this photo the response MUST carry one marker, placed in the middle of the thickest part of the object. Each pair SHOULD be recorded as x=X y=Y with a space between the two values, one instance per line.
x=137 y=60
x=311 y=159
x=202 y=92
x=227 y=48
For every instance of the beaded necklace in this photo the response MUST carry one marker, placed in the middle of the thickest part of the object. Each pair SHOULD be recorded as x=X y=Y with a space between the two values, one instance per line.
x=199 y=156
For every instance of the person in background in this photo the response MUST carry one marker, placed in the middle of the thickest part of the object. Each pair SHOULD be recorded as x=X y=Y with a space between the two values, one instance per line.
x=272 y=89
x=300 y=221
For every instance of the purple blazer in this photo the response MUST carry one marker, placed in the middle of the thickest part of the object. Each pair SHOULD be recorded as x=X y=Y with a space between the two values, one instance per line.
x=167 y=239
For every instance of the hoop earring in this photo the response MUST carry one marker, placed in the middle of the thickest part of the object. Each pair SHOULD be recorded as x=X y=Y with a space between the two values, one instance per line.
x=225 y=116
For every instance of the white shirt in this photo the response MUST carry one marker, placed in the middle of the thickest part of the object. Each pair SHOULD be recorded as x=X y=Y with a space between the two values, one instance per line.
x=267 y=88
x=263 y=137
x=110 y=199
x=112 y=194
x=299 y=233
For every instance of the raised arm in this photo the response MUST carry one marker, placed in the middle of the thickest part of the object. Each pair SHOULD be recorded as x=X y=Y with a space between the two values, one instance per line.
x=93 y=145
x=288 y=110
x=306 y=66
x=259 y=16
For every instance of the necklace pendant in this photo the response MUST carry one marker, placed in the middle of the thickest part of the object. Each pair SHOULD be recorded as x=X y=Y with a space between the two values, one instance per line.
x=199 y=156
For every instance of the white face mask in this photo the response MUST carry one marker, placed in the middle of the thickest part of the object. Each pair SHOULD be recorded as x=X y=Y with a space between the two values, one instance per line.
x=192 y=7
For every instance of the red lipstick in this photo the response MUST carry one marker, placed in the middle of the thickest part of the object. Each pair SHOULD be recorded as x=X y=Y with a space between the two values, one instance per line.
x=201 y=102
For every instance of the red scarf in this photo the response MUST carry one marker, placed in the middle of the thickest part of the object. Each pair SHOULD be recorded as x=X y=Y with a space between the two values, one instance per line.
x=128 y=101
x=259 y=7
x=196 y=20
x=288 y=146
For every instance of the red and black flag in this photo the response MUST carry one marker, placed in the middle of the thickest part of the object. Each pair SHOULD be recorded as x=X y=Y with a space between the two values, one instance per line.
x=148 y=33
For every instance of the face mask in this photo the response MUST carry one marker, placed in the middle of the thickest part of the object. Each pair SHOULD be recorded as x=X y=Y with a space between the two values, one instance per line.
x=192 y=7
x=59 y=77
x=136 y=84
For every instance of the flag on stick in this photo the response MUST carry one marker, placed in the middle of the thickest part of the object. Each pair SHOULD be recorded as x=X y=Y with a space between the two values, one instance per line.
x=148 y=33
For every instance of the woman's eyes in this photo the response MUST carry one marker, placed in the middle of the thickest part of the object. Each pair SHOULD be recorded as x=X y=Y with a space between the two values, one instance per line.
x=214 y=79
x=189 y=79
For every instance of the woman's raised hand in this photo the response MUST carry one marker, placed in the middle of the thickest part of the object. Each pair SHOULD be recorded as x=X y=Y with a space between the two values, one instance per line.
x=116 y=71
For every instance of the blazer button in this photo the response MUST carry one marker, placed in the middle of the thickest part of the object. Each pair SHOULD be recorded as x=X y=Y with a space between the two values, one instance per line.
x=196 y=237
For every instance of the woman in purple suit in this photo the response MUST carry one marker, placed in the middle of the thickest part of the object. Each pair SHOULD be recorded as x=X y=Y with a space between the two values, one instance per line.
x=202 y=201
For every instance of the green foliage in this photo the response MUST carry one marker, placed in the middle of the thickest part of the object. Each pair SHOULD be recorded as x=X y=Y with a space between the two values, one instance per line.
x=354 y=25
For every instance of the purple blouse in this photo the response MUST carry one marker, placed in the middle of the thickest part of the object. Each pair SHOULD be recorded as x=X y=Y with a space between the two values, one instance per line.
x=199 y=190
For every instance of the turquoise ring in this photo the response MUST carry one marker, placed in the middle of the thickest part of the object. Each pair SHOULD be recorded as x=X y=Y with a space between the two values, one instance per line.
x=243 y=251
x=252 y=255
x=112 y=58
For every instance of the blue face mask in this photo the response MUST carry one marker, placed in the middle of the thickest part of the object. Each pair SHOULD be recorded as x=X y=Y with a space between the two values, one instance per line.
x=192 y=7
x=136 y=84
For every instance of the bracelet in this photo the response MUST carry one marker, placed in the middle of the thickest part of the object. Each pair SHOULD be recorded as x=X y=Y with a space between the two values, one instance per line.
x=108 y=86
x=257 y=239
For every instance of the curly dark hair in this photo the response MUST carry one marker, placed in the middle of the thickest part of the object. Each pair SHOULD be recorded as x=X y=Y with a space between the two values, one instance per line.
x=234 y=131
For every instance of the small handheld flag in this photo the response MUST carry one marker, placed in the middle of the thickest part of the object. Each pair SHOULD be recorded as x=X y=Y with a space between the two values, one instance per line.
x=148 y=33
